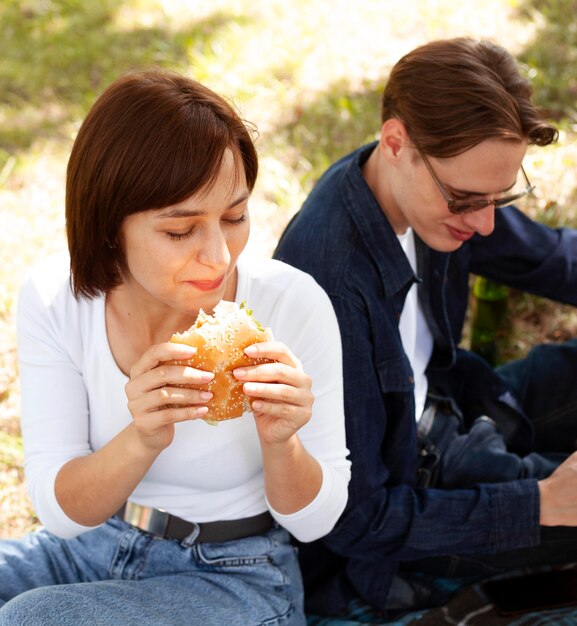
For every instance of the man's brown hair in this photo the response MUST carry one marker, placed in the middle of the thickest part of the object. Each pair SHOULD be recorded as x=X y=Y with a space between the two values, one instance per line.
x=453 y=94
x=151 y=140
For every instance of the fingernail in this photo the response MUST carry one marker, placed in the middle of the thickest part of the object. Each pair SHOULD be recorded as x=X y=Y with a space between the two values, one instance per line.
x=206 y=376
x=251 y=350
x=205 y=395
x=256 y=405
x=239 y=373
x=201 y=410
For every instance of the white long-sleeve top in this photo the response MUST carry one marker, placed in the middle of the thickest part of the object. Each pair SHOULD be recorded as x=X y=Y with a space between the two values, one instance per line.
x=73 y=403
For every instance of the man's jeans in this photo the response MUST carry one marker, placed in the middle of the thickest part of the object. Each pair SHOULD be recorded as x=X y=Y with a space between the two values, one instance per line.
x=453 y=457
x=117 y=574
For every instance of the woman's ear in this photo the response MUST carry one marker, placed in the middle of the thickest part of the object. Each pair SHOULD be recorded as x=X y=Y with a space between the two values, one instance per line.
x=394 y=138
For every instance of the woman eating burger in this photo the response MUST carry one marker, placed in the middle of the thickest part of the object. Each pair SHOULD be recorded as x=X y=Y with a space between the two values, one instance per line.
x=150 y=514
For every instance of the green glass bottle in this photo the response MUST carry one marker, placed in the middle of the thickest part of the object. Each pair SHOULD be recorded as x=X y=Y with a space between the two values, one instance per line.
x=489 y=311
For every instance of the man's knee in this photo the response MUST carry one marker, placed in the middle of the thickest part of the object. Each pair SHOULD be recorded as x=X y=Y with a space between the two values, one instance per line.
x=479 y=456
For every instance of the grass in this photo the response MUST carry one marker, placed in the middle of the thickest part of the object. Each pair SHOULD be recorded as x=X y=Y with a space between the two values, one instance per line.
x=308 y=73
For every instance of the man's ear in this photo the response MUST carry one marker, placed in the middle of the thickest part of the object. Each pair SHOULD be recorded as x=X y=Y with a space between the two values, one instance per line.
x=394 y=138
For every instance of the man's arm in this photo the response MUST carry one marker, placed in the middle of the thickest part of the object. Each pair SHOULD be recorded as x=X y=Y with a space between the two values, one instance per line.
x=387 y=516
x=529 y=256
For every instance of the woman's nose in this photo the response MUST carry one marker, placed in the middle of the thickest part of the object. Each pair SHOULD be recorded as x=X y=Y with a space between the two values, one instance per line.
x=214 y=250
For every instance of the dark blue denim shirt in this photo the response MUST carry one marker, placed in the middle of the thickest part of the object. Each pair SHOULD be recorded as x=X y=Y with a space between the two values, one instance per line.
x=342 y=237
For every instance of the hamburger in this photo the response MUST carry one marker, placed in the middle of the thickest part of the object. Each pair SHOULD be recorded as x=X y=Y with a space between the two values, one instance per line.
x=220 y=340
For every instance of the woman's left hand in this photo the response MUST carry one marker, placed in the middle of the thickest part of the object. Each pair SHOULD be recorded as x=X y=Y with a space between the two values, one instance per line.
x=280 y=392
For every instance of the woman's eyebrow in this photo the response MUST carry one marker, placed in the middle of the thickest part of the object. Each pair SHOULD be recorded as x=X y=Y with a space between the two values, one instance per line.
x=177 y=211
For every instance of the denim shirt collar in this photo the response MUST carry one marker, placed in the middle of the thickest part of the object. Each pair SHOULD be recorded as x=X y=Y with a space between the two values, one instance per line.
x=374 y=228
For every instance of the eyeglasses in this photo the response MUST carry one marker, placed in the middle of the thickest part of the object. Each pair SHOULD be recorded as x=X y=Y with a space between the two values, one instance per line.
x=461 y=207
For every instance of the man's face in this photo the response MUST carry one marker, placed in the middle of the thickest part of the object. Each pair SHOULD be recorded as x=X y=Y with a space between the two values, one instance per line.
x=490 y=170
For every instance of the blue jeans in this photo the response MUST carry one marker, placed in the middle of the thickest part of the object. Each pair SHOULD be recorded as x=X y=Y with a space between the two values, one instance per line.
x=117 y=574
x=544 y=386
x=467 y=449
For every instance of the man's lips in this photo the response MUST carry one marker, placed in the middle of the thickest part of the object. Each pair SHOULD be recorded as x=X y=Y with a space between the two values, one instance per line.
x=460 y=235
x=206 y=285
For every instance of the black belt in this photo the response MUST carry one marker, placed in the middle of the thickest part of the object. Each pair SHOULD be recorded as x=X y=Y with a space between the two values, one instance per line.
x=162 y=524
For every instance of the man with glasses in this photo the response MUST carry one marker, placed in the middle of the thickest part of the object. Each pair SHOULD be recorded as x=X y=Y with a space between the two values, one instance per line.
x=461 y=206
x=458 y=470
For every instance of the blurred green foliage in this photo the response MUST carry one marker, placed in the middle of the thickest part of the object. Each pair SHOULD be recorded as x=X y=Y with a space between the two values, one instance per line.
x=338 y=121
x=552 y=55
x=57 y=55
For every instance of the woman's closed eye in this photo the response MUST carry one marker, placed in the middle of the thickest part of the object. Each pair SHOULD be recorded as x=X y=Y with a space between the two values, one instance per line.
x=179 y=236
x=237 y=221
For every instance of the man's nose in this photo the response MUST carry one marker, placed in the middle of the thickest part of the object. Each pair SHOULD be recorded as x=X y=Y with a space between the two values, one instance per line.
x=482 y=221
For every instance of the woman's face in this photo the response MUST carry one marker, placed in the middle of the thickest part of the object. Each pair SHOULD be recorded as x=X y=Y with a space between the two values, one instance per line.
x=184 y=256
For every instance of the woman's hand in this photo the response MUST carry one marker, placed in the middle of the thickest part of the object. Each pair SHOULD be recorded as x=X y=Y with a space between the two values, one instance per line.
x=91 y=488
x=156 y=398
x=282 y=401
x=279 y=392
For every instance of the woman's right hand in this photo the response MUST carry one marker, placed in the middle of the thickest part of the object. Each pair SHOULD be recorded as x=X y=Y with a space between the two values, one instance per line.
x=157 y=398
x=91 y=488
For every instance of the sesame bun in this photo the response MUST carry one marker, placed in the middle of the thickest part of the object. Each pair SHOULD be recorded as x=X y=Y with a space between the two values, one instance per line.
x=220 y=340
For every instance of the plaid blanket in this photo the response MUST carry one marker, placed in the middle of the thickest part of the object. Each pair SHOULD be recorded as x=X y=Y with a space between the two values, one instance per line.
x=470 y=607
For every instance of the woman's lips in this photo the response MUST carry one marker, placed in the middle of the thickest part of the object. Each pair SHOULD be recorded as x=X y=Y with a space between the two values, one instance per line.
x=206 y=285
x=460 y=235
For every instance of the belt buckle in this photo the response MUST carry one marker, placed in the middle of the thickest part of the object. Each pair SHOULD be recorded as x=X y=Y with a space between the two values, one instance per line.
x=154 y=521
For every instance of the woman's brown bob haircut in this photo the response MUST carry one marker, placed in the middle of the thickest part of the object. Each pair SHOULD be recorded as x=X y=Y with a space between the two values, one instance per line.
x=453 y=94
x=151 y=140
